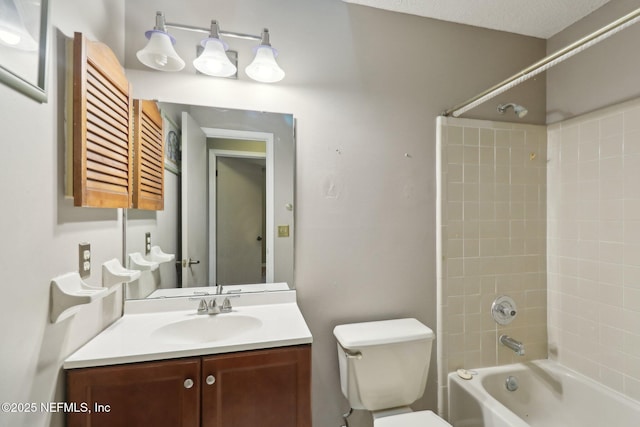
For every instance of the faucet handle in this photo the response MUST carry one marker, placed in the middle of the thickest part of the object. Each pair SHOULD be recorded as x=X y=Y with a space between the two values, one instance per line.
x=226 y=306
x=506 y=309
x=202 y=307
x=503 y=310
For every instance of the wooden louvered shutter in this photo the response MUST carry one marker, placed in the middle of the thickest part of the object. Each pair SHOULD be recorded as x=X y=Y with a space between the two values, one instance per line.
x=102 y=127
x=148 y=165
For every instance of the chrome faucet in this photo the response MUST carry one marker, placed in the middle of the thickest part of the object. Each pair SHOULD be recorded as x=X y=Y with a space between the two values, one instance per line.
x=212 y=306
x=514 y=345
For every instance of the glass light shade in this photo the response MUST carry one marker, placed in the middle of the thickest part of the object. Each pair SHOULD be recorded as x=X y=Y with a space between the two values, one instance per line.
x=159 y=53
x=213 y=60
x=264 y=67
x=13 y=33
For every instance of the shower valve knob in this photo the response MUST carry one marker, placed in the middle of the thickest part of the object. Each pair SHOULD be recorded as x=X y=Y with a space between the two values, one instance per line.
x=503 y=310
x=507 y=310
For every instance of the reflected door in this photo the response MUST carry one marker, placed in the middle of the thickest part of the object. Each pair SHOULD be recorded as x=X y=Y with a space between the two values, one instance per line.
x=194 y=204
x=240 y=220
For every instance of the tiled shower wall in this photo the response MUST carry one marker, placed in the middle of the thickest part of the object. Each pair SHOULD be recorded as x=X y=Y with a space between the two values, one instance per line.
x=491 y=242
x=594 y=245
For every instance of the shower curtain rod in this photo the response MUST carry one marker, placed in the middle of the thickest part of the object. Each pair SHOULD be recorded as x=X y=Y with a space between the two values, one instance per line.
x=546 y=63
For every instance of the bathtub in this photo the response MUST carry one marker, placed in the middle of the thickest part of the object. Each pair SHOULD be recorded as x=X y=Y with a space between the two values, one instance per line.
x=548 y=395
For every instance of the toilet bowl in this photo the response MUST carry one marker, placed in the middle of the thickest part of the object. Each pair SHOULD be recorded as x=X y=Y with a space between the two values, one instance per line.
x=383 y=369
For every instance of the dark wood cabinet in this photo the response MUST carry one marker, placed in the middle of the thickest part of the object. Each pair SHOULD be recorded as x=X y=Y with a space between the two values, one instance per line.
x=140 y=394
x=268 y=388
x=265 y=388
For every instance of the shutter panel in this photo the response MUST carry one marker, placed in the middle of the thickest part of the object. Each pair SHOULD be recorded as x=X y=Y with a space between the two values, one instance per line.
x=148 y=165
x=102 y=127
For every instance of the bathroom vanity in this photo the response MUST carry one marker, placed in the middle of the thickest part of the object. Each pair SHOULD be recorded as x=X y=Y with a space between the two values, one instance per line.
x=164 y=365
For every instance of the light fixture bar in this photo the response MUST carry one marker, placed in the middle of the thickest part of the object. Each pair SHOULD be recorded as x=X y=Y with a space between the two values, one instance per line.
x=546 y=63
x=208 y=30
x=212 y=60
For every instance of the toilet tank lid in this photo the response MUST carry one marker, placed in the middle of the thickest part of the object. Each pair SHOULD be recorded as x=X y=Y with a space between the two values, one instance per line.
x=356 y=335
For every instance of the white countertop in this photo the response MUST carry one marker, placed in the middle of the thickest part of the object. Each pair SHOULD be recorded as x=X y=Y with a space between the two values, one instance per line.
x=132 y=339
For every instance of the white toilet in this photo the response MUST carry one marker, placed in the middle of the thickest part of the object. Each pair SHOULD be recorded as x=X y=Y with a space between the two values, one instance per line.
x=383 y=369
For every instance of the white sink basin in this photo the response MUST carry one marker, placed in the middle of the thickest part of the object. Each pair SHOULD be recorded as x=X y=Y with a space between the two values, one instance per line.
x=206 y=328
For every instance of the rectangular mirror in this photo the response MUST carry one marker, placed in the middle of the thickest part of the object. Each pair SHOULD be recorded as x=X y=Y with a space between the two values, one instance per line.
x=228 y=213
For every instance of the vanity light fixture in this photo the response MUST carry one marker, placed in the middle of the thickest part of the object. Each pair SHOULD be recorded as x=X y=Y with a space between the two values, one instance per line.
x=13 y=32
x=214 y=61
x=264 y=67
x=159 y=53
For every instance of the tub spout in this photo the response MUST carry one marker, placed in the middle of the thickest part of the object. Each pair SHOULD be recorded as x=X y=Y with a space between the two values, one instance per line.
x=514 y=345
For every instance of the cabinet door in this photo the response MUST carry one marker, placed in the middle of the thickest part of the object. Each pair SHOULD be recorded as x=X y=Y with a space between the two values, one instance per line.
x=148 y=157
x=266 y=388
x=102 y=127
x=138 y=395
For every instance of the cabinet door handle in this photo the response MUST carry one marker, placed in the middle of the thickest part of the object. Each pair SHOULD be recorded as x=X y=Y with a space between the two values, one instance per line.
x=188 y=383
x=210 y=379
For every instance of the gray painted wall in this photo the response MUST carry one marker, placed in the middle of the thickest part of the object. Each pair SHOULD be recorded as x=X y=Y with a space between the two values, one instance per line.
x=40 y=230
x=603 y=75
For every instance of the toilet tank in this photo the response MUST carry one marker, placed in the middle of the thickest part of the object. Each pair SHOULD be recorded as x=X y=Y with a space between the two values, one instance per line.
x=383 y=364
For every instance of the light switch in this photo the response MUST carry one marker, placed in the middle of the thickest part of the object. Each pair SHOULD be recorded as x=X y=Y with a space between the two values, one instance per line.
x=283 y=231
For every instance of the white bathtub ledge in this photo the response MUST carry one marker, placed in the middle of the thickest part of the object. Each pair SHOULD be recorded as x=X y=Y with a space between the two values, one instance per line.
x=548 y=394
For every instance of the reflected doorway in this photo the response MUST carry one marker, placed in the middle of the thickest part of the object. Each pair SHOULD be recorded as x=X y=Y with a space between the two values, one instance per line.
x=240 y=206
x=240 y=220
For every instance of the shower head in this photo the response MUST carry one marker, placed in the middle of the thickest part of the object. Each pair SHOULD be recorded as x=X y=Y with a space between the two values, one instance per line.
x=519 y=110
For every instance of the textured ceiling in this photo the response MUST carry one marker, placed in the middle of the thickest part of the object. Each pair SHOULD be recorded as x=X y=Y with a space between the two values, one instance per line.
x=536 y=18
